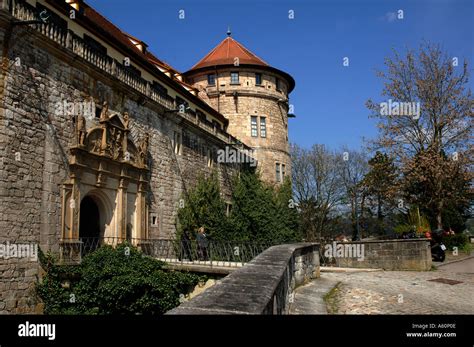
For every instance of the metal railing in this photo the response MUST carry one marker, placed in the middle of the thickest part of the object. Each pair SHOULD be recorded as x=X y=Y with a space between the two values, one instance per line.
x=173 y=251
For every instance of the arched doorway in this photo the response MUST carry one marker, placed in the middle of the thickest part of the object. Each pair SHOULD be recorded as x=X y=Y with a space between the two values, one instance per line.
x=89 y=224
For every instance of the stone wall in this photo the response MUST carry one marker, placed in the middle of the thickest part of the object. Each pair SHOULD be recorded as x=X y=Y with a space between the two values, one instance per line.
x=411 y=254
x=263 y=286
x=37 y=74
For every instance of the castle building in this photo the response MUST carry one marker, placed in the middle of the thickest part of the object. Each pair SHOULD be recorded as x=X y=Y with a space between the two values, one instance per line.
x=253 y=96
x=100 y=139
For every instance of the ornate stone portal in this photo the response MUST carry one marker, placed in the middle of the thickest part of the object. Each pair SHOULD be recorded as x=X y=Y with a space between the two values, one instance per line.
x=108 y=167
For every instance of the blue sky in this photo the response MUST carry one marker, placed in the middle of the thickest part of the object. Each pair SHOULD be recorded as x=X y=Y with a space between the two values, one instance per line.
x=329 y=99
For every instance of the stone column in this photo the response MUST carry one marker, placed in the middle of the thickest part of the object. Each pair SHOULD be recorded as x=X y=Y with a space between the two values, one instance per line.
x=65 y=231
x=141 y=226
x=122 y=209
x=74 y=205
x=70 y=246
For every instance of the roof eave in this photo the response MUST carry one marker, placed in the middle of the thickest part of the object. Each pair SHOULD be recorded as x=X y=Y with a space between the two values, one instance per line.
x=287 y=76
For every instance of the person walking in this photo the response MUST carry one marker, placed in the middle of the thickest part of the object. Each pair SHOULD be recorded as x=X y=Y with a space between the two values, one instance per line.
x=202 y=244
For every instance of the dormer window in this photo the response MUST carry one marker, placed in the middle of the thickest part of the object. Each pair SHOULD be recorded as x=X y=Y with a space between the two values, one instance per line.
x=142 y=46
x=74 y=4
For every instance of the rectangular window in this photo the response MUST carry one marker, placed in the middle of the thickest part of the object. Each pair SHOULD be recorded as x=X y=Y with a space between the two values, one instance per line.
x=154 y=220
x=263 y=127
x=133 y=70
x=201 y=116
x=211 y=80
x=95 y=45
x=283 y=171
x=216 y=125
x=177 y=142
x=277 y=172
x=234 y=78
x=258 y=79
x=160 y=89
x=253 y=126
x=278 y=84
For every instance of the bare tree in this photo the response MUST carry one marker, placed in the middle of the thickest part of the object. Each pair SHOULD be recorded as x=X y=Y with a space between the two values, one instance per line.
x=317 y=187
x=433 y=80
x=353 y=166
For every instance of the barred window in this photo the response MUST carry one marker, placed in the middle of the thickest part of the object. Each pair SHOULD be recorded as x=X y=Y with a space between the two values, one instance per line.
x=263 y=127
x=277 y=172
x=253 y=126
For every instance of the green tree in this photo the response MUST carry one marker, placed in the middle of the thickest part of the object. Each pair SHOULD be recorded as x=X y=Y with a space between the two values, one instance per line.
x=203 y=207
x=438 y=184
x=380 y=185
x=261 y=212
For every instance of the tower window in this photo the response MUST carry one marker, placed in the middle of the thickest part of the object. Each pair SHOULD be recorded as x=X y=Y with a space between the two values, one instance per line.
x=283 y=171
x=277 y=172
x=211 y=80
x=258 y=79
x=253 y=126
x=278 y=84
x=263 y=127
x=234 y=78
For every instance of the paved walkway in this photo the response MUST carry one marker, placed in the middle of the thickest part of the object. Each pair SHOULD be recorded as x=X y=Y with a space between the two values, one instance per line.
x=464 y=266
x=390 y=292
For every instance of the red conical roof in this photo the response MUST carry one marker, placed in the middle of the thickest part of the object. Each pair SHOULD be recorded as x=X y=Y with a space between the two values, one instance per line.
x=225 y=53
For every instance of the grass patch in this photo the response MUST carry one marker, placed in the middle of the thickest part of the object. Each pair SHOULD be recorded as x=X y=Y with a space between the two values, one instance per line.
x=331 y=299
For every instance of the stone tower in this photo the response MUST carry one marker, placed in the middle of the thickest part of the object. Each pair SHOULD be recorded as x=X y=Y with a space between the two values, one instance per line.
x=253 y=96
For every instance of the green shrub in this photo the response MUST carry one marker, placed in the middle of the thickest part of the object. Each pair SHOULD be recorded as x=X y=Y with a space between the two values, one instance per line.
x=110 y=280
x=403 y=228
x=456 y=240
